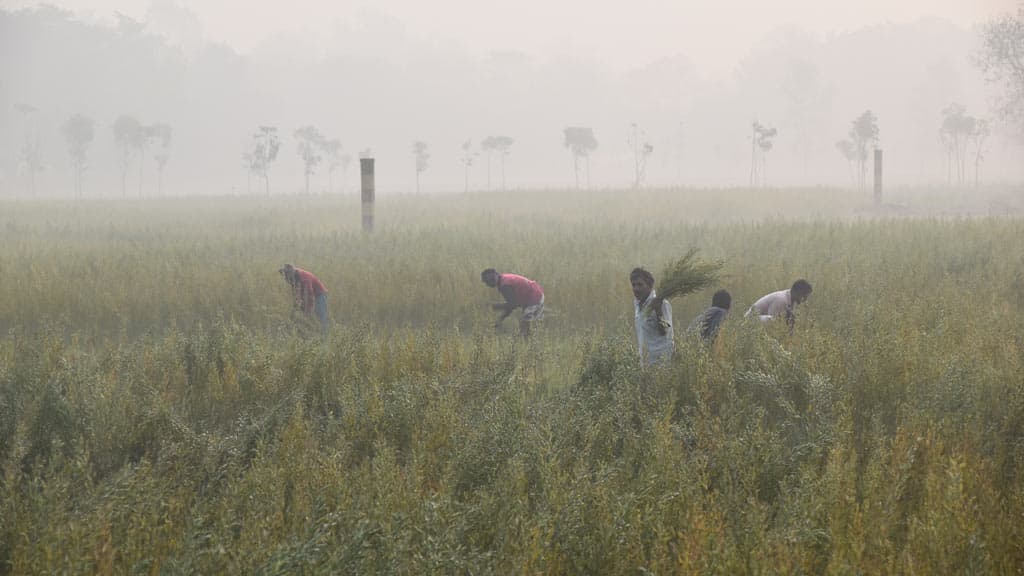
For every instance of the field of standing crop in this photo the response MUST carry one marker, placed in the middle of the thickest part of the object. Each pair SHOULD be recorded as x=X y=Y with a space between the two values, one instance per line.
x=161 y=412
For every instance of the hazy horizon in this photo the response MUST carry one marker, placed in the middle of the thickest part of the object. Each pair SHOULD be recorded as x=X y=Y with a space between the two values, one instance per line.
x=714 y=38
x=378 y=78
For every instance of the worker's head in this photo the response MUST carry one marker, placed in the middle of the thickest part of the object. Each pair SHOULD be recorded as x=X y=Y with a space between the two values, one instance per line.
x=642 y=282
x=288 y=271
x=722 y=299
x=800 y=291
x=490 y=277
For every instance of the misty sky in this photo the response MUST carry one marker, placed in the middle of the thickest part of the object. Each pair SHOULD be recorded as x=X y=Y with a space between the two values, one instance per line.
x=713 y=34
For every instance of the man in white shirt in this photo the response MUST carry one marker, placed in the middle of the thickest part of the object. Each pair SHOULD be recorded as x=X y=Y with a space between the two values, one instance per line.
x=652 y=319
x=781 y=303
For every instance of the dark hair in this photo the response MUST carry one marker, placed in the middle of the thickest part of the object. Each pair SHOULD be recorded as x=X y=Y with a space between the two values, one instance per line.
x=801 y=286
x=288 y=271
x=641 y=273
x=722 y=299
x=487 y=272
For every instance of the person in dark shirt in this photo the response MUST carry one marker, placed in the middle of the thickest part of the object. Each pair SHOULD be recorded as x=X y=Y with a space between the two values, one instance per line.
x=708 y=322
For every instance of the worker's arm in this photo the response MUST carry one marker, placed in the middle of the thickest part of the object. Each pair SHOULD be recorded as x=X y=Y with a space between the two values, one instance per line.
x=507 y=308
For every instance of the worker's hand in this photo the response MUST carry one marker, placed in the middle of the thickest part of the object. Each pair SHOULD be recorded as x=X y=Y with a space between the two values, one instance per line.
x=662 y=327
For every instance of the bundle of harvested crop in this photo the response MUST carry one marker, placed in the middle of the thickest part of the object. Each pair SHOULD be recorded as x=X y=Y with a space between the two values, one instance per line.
x=687 y=275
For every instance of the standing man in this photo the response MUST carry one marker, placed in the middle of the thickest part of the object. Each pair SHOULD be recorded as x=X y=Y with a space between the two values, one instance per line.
x=309 y=292
x=709 y=321
x=519 y=292
x=781 y=303
x=652 y=318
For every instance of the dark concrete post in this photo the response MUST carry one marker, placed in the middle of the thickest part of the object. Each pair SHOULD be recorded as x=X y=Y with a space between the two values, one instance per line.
x=366 y=173
x=878 y=177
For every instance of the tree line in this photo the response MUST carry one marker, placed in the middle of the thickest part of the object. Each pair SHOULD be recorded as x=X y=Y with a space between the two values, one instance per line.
x=962 y=136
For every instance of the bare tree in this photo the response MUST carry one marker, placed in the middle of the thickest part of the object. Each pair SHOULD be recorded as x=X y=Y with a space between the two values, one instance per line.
x=1001 y=58
x=345 y=161
x=31 y=151
x=162 y=134
x=142 y=137
x=127 y=132
x=78 y=131
x=760 y=144
x=978 y=137
x=310 y=144
x=849 y=151
x=332 y=150
x=955 y=135
x=581 y=142
x=421 y=152
x=864 y=134
x=642 y=150
x=502 y=145
x=468 y=156
x=263 y=152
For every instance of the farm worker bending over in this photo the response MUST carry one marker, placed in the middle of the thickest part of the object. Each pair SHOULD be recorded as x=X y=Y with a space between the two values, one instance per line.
x=781 y=303
x=519 y=292
x=652 y=318
x=309 y=292
x=709 y=321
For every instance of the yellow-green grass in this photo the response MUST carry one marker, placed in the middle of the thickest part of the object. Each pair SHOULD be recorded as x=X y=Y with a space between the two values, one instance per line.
x=160 y=412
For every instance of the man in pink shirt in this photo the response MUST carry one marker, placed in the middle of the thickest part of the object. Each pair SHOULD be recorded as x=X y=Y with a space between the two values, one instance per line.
x=309 y=292
x=519 y=292
x=781 y=303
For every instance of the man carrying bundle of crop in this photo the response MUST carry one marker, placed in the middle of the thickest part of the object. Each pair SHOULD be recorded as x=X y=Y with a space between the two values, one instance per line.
x=309 y=292
x=709 y=321
x=781 y=303
x=519 y=292
x=653 y=313
x=652 y=317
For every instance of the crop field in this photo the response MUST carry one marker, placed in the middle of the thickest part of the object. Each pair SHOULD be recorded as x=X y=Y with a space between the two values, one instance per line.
x=161 y=411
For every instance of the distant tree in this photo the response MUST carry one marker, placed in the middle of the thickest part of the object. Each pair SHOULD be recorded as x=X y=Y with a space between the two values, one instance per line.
x=345 y=162
x=501 y=145
x=310 y=144
x=332 y=151
x=864 y=134
x=78 y=131
x=161 y=134
x=642 y=150
x=468 y=156
x=251 y=165
x=581 y=142
x=142 y=138
x=978 y=137
x=127 y=133
x=421 y=152
x=849 y=151
x=760 y=144
x=31 y=151
x=955 y=134
x=263 y=152
x=1001 y=58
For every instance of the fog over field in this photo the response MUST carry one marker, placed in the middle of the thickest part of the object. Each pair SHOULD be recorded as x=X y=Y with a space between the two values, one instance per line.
x=669 y=91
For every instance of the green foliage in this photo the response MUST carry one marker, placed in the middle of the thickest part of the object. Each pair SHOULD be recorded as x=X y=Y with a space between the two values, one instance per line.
x=687 y=275
x=160 y=413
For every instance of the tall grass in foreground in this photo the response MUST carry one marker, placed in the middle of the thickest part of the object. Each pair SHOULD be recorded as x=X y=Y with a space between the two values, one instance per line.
x=159 y=415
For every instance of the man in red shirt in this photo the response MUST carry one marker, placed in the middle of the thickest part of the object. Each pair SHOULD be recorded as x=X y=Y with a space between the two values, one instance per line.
x=309 y=292
x=519 y=292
